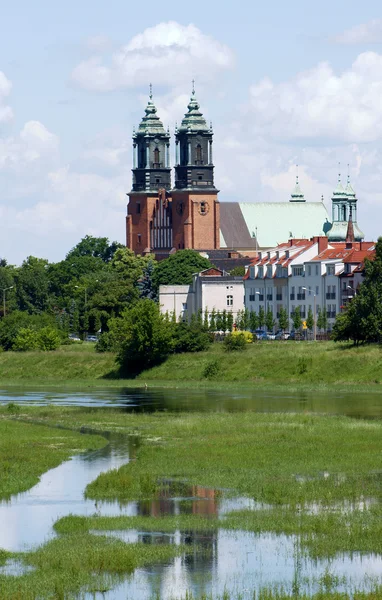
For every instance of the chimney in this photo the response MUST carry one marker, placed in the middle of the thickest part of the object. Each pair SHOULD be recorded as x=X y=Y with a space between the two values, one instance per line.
x=322 y=243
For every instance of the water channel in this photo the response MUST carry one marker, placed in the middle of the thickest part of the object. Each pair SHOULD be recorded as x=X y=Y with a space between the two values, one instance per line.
x=237 y=561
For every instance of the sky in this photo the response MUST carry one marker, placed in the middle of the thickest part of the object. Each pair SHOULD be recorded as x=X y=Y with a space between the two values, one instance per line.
x=284 y=83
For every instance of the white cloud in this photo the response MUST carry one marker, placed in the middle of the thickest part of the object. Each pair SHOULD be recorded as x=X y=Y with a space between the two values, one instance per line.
x=33 y=144
x=6 y=112
x=166 y=54
x=366 y=33
x=322 y=105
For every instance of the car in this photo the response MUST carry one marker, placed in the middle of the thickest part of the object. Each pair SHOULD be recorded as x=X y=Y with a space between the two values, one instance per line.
x=282 y=335
x=91 y=338
x=260 y=334
x=270 y=335
x=74 y=337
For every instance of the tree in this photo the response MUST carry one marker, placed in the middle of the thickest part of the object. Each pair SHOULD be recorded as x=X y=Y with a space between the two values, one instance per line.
x=146 y=337
x=269 y=320
x=253 y=320
x=48 y=339
x=322 y=319
x=219 y=323
x=145 y=283
x=191 y=337
x=238 y=271
x=179 y=268
x=261 y=317
x=229 y=321
x=32 y=285
x=283 y=319
x=26 y=339
x=310 y=319
x=296 y=318
x=98 y=247
x=206 y=322
x=213 y=320
x=239 y=320
x=224 y=321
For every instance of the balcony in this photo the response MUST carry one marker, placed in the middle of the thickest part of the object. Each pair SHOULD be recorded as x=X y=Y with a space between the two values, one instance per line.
x=300 y=296
x=331 y=296
x=279 y=296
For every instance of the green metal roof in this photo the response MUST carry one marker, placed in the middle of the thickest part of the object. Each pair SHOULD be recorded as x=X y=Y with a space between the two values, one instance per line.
x=193 y=120
x=338 y=232
x=151 y=123
x=274 y=222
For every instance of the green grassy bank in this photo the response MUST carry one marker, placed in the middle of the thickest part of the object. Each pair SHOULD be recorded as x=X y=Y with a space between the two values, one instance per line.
x=266 y=364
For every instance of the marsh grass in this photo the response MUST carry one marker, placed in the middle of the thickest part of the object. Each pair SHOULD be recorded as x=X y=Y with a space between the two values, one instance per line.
x=70 y=564
x=28 y=450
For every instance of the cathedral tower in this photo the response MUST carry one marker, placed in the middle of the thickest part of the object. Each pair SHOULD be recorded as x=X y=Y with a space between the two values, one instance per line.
x=196 y=215
x=344 y=208
x=148 y=223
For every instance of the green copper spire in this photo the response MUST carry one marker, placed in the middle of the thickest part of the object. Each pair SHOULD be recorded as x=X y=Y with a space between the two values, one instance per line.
x=349 y=190
x=193 y=120
x=297 y=195
x=151 y=123
x=339 y=191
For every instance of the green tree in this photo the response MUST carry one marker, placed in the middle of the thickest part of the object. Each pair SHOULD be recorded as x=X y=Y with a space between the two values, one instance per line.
x=32 y=285
x=239 y=320
x=283 y=319
x=97 y=247
x=179 y=268
x=48 y=339
x=322 y=319
x=146 y=337
x=206 y=322
x=145 y=283
x=238 y=271
x=191 y=337
x=219 y=323
x=26 y=339
x=296 y=318
x=245 y=319
x=213 y=320
x=224 y=321
x=229 y=321
x=253 y=321
x=310 y=319
x=269 y=320
x=261 y=317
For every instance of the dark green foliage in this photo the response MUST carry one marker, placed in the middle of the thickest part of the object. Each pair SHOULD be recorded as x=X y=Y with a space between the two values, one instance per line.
x=283 y=319
x=213 y=320
x=12 y=323
x=253 y=321
x=238 y=271
x=26 y=339
x=261 y=317
x=229 y=321
x=234 y=342
x=48 y=339
x=146 y=285
x=269 y=320
x=179 y=268
x=296 y=318
x=191 y=337
x=147 y=338
x=224 y=323
x=310 y=320
x=95 y=247
x=32 y=285
x=322 y=319
x=212 y=369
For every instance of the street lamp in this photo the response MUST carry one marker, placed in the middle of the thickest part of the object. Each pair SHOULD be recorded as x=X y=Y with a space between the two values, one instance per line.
x=314 y=312
x=349 y=287
x=86 y=298
x=5 y=290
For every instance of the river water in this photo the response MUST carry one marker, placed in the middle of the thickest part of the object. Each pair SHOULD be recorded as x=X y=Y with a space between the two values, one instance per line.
x=237 y=561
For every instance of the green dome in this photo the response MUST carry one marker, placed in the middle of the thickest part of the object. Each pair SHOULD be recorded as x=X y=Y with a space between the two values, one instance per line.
x=151 y=123
x=193 y=119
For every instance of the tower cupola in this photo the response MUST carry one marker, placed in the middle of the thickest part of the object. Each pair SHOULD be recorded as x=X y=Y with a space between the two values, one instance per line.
x=297 y=195
x=344 y=209
x=151 y=152
x=194 y=167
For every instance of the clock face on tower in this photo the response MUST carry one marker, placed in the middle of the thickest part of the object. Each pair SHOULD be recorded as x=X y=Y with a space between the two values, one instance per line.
x=203 y=208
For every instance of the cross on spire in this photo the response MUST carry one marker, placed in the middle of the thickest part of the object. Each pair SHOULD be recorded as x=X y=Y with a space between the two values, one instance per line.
x=339 y=172
x=296 y=174
x=151 y=91
x=193 y=87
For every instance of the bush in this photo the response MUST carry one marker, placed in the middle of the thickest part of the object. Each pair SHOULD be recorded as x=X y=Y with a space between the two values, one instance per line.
x=11 y=325
x=191 y=337
x=212 y=369
x=235 y=341
x=48 y=339
x=26 y=339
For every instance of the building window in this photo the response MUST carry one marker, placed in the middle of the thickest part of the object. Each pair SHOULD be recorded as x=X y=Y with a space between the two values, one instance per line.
x=156 y=158
x=139 y=239
x=269 y=271
x=298 y=271
x=330 y=269
x=184 y=306
x=202 y=208
x=317 y=267
x=261 y=272
x=317 y=290
x=199 y=155
x=229 y=300
x=252 y=272
x=138 y=208
x=309 y=270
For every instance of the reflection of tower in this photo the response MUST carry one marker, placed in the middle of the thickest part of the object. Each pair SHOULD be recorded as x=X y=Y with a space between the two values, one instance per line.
x=196 y=213
x=148 y=223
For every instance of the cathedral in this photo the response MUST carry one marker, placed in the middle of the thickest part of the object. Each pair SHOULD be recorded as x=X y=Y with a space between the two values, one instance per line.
x=163 y=218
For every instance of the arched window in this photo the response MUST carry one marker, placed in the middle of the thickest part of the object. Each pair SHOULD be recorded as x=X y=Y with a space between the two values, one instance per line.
x=199 y=155
x=156 y=158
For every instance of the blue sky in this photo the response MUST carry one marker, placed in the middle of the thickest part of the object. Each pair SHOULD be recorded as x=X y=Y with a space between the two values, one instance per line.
x=283 y=83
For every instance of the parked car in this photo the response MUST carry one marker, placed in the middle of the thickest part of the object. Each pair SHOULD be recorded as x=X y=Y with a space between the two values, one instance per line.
x=74 y=337
x=260 y=334
x=270 y=335
x=282 y=335
x=91 y=338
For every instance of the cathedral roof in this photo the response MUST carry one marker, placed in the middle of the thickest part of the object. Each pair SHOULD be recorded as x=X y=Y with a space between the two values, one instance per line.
x=151 y=123
x=193 y=120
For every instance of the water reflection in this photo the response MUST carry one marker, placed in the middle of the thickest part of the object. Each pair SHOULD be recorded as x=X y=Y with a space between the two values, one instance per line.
x=352 y=404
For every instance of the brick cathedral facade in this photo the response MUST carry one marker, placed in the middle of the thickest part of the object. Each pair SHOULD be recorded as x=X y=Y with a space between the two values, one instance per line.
x=162 y=218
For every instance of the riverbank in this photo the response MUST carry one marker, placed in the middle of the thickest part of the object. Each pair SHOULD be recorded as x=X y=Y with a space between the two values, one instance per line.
x=291 y=365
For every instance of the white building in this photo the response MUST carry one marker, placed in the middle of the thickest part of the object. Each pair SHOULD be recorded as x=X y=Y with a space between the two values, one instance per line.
x=305 y=274
x=210 y=290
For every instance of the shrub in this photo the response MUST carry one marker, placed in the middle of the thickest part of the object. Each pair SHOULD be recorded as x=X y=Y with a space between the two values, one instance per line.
x=48 y=339
x=235 y=341
x=212 y=369
x=26 y=339
x=191 y=337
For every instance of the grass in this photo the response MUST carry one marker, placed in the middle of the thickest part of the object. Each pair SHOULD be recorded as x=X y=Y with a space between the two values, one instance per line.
x=27 y=451
x=297 y=365
x=80 y=562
